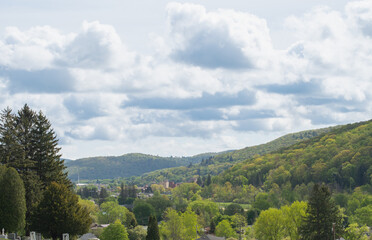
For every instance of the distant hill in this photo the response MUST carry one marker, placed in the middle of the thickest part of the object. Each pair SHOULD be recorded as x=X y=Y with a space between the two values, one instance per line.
x=341 y=158
x=215 y=165
x=127 y=165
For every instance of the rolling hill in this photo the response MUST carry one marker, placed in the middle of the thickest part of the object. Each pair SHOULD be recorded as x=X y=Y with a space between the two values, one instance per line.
x=341 y=158
x=218 y=163
x=127 y=165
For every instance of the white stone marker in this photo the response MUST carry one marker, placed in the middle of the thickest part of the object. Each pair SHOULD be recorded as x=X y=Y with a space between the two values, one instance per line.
x=65 y=236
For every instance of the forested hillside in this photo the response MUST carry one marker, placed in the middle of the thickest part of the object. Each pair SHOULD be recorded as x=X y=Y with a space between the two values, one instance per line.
x=217 y=164
x=341 y=158
x=127 y=165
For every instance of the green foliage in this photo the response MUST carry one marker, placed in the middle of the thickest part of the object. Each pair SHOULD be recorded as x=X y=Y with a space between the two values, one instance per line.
x=354 y=232
x=270 y=225
x=341 y=158
x=293 y=217
x=321 y=214
x=59 y=212
x=112 y=211
x=363 y=215
x=206 y=209
x=88 y=192
x=186 y=190
x=127 y=194
x=159 y=203
x=127 y=165
x=91 y=207
x=224 y=229
x=153 y=229
x=234 y=208
x=12 y=200
x=189 y=222
x=214 y=165
x=179 y=226
x=29 y=144
x=115 y=231
x=172 y=227
x=137 y=233
x=143 y=210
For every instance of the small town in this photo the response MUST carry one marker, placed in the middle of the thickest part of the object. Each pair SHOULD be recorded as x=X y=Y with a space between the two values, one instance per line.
x=185 y=120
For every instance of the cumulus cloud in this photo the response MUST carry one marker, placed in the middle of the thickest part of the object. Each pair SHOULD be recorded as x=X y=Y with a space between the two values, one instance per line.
x=220 y=39
x=214 y=80
x=96 y=46
x=360 y=12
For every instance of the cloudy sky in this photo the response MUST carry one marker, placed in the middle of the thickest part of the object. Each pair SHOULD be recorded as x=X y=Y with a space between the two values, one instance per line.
x=181 y=78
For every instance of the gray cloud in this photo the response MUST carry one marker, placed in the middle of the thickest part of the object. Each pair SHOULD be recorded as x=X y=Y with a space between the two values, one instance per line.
x=39 y=81
x=205 y=114
x=215 y=114
x=83 y=108
x=218 y=100
x=298 y=88
x=212 y=49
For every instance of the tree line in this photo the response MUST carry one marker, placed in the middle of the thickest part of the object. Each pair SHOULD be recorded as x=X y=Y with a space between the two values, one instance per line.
x=30 y=159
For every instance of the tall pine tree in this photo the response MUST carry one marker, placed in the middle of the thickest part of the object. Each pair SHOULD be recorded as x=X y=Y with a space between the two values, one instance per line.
x=153 y=229
x=322 y=214
x=45 y=152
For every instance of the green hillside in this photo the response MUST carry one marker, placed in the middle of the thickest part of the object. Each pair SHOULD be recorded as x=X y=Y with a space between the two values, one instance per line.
x=217 y=164
x=127 y=165
x=341 y=158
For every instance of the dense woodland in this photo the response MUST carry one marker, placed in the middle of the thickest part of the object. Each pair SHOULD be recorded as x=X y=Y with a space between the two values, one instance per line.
x=315 y=189
x=274 y=195
x=220 y=162
x=133 y=164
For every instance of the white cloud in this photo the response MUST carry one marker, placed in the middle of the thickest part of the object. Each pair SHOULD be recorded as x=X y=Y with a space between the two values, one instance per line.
x=96 y=46
x=220 y=39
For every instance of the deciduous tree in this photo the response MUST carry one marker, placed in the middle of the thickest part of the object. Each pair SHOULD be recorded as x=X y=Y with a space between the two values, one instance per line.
x=116 y=231
x=293 y=218
x=269 y=225
x=224 y=229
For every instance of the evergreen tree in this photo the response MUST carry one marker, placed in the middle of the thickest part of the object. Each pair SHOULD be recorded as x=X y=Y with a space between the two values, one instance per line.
x=122 y=196
x=321 y=214
x=199 y=181
x=213 y=226
x=45 y=153
x=60 y=212
x=12 y=200
x=11 y=152
x=28 y=144
x=208 y=181
x=103 y=194
x=153 y=229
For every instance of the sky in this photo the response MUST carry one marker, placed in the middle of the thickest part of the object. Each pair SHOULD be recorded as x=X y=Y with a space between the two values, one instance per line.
x=178 y=78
